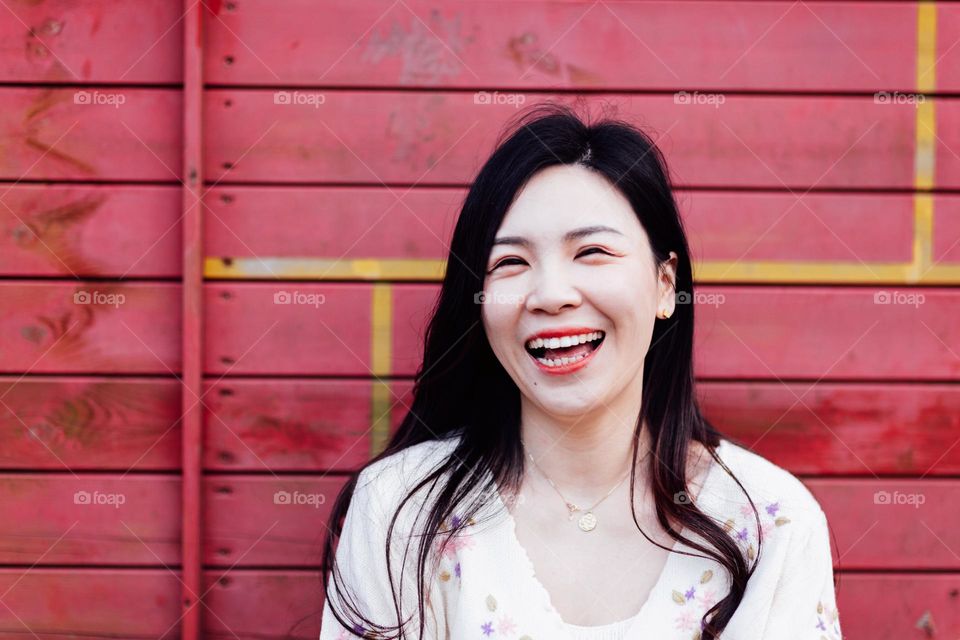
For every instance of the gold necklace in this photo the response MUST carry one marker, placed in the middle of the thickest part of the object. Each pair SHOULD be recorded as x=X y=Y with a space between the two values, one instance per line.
x=588 y=521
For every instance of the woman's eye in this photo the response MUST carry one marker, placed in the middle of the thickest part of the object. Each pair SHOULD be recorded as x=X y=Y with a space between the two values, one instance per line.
x=507 y=261
x=591 y=250
x=585 y=252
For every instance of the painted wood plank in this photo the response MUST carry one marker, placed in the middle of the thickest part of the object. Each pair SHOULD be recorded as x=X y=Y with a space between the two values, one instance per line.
x=99 y=604
x=443 y=137
x=266 y=424
x=263 y=424
x=89 y=519
x=59 y=41
x=876 y=524
x=282 y=425
x=883 y=606
x=842 y=428
x=83 y=327
x=90 y=133
x=572 y=45
x=310 y=226
x=84 y=230
x=765 y=333
x=89 y=423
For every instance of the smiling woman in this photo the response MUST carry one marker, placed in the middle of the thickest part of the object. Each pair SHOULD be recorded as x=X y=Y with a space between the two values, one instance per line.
x=558 y=365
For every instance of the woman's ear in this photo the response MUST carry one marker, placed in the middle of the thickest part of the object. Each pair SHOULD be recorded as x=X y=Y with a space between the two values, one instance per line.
x=666 y=286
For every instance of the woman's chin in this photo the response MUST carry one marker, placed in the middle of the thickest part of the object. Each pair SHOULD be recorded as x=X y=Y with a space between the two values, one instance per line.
x=568 y=404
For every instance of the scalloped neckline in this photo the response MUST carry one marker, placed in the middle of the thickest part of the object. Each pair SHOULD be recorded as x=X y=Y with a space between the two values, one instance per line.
x=543 y=595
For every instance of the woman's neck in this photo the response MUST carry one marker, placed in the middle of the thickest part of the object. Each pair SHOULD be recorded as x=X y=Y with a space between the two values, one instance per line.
x=585 y=456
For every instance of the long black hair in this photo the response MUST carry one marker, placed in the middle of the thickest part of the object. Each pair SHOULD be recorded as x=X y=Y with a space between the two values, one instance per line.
x=462 y=389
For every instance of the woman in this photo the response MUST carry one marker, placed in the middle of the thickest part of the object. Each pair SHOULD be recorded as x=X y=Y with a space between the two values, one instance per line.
x=554 y=477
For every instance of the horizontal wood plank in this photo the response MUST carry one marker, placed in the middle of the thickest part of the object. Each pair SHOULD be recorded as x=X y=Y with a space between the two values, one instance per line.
x=84 y=327
x=376 y=233
x=877 y=606
x=97 y=604
x=85 y=230
x=94 y=41
x=742 y=332
x=443 y=137
x=765 y=45
x=876 y=524
x=825 y=429
x=98 y=519
x=91 y=134
x=89 y=423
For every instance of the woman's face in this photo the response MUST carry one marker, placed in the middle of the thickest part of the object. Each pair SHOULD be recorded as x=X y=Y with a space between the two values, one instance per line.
x=571 y=259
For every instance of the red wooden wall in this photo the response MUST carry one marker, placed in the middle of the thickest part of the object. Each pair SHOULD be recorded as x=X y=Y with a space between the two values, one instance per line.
x=172 y=174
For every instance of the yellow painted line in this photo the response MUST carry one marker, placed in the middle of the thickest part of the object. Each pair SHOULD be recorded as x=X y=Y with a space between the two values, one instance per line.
x=772 y=271
x=924 y=165
x=922 y=238
x=380 y=405
x=381 y=356
x=926 y=46
x=324 y=269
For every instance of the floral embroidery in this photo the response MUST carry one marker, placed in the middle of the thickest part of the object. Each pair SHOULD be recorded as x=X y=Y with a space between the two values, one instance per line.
x=746 y=533
x=448 y=550
x=505 y=626
x=697 y=599
x=690 y=617
x=828 y=621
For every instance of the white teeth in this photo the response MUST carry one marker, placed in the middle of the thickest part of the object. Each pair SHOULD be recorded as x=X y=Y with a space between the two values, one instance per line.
x=561 y=362
x=565 y=341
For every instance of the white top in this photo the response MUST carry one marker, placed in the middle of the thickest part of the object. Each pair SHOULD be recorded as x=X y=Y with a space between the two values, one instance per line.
x=484 y=586
x=613 y=631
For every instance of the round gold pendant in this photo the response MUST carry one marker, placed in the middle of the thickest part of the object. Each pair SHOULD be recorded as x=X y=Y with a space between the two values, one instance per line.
x=587 y=522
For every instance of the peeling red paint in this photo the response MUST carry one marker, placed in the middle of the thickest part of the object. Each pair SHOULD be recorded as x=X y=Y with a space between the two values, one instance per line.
x=428 y=54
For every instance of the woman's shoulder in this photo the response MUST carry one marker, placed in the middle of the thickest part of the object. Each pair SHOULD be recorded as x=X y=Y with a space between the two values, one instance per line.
x=395 y=475
x=776 y=492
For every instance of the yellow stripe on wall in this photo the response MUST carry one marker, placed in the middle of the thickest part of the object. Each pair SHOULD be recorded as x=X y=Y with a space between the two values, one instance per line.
x=924 y=165
x=381 y=356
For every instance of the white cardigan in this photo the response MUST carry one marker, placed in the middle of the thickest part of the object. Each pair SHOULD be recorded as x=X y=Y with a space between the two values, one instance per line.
x=484 y=586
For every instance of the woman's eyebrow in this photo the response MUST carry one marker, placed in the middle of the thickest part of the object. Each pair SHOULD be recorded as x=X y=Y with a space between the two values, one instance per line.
x=575 y=234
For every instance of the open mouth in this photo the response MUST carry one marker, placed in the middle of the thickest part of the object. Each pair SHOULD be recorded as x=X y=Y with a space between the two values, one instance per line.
x=565 y=351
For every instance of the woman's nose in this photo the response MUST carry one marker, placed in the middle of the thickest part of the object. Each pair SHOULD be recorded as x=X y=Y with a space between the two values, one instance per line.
x=551 y=290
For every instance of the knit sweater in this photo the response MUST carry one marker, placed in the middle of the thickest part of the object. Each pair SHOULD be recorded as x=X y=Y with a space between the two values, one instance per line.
x=481 y=584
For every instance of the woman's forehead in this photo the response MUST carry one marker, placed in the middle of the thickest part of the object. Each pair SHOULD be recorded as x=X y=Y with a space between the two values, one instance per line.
x=566 y=197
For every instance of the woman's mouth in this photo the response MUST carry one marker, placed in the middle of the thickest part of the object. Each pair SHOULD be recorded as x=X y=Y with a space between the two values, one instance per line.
x=564 y=355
